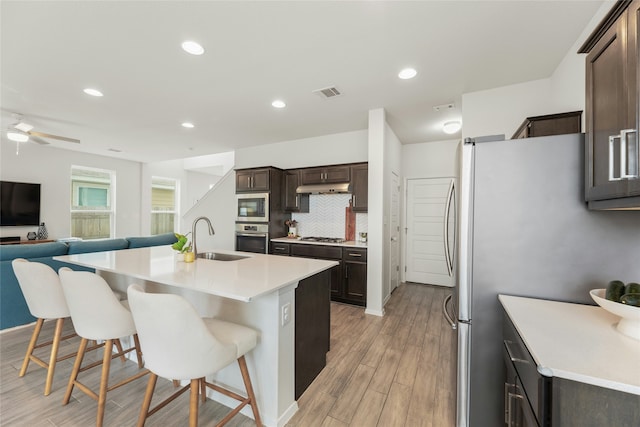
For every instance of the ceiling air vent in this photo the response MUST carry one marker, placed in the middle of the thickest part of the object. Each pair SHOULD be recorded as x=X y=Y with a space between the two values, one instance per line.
x=327 y=92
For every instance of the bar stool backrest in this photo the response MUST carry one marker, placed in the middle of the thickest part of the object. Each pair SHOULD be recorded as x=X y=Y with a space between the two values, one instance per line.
x=41 y=288
x=95 y=310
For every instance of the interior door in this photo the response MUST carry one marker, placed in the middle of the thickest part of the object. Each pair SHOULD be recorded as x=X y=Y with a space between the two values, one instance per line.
x=394 y=227
x=430 y=231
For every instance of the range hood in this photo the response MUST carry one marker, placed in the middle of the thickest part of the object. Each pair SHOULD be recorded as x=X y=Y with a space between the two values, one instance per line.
x=337 y=188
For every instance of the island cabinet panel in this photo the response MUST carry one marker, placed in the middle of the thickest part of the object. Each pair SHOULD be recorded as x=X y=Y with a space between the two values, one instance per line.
x=360 y=187
x=327 y=174
x=294 y=202
x=612 y=156
x=312 y=329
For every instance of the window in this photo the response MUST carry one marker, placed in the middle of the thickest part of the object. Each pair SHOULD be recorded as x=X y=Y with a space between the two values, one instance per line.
x=163 y=205
x=92 y=203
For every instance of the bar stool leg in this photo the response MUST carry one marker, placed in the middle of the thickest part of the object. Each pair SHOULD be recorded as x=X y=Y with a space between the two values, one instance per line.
x=138 y=351
x=54 y=356
x=193 y=403
x=104 y=381
x=120 y=350
x=247 y=383
x=146 y=403
x=32 y=344
x=76 y=368
x=203 y=389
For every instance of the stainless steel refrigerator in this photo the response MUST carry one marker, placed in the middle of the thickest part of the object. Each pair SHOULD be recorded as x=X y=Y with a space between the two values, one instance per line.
x=525 y=230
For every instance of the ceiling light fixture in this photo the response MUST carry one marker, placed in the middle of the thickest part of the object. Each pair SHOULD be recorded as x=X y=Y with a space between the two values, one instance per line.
x=188 y=125
x=407 y=73
x=451 y=127
x=278 y=104
x=192 y=47
x=92 y=92
x=17 y=136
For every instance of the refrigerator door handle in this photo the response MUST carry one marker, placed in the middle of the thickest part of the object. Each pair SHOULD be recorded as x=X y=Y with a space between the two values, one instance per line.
x=445 y=312
x=447 y=252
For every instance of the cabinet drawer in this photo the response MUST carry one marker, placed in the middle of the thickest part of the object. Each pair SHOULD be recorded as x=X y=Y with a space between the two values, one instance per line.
x=280 y=248
x=358 y=255
x=316 y=251
x=536 y=387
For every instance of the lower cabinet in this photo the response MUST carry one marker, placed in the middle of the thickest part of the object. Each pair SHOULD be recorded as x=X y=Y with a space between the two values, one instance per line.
x=348 y=279
x=534 y=400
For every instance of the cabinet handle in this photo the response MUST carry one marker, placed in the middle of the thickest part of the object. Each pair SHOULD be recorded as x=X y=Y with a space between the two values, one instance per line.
x=352 y=254
x=513 y=359
x=280 y=249
x=248 y=182
x=346 y=271
x=297 y=196
x=353 y=200
x=624 y=161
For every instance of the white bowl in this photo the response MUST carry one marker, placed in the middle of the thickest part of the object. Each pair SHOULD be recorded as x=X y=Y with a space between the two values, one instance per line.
x=629 y=323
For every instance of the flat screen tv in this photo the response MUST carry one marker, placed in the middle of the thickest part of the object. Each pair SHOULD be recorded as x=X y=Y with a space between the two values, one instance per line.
x=19 y=203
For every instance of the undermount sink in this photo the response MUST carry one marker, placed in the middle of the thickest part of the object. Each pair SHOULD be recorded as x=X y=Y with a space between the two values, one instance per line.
x=220 y=257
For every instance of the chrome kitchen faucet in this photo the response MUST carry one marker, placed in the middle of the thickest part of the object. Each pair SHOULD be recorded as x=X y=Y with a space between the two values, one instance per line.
x=193 y=232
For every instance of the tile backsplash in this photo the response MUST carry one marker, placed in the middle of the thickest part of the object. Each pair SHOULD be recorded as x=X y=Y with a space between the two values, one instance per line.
x=326 y=217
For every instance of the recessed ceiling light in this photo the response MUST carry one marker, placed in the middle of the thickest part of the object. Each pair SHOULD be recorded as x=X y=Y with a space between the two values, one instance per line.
x=278 y=104
x=407 y=73
x=188 y=125
x=92 y=92
x=451 y=127
x=192 y=47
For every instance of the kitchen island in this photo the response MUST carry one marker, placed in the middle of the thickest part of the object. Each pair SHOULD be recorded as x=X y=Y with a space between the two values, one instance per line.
x=256 y=290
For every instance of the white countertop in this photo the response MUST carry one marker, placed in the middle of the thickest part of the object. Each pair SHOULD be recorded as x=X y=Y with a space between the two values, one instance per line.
x=576 y=342
x=347 y=244
x=241 y=280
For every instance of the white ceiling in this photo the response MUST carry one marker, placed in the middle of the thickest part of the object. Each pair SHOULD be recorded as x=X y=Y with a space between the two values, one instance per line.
x=257 y=52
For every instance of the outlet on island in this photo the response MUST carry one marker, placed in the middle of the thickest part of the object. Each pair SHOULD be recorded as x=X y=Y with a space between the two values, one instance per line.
x=285 y=314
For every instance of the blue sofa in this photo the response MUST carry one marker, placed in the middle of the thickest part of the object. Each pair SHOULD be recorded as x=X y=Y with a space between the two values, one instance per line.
x=13 y=307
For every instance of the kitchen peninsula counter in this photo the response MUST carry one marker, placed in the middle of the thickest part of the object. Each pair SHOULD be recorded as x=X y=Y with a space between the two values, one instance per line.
x=287 y=300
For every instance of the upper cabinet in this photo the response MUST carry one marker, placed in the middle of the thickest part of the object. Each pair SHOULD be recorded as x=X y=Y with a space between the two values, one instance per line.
x=325 y=175
x=360 y=187
x=612 y=154
x=294 y=202
x=550 y=124
x=255 y=180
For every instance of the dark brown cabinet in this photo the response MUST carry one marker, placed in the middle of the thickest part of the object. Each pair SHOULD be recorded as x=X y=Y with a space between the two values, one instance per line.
x=294 y=202
x=348 y=279
x=360 y=187
x=612 y=153
x=253 y=180
x=550 y=124
x=324 y=175
x=354 y=289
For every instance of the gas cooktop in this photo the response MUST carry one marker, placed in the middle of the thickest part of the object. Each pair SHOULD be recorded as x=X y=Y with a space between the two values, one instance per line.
x=324 y=239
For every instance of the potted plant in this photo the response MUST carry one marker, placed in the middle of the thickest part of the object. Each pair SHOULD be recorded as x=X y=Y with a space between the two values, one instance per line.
x=183 y=246
x=292 y=223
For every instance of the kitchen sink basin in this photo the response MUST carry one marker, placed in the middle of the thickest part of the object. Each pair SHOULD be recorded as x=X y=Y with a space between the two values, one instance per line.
x=220 y=257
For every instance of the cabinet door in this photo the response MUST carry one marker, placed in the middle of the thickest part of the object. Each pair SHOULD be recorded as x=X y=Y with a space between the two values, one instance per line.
x=312 y=176
x=607 y=112
x=337 y=174
x=243 y=180
x=360 y=188
x=294 y=202
x=260 y=180
x=355 y=280
x=633 y=149
x=337 y=290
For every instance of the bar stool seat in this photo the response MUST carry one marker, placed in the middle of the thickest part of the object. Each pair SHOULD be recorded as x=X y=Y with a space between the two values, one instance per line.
x=97 y=314
x=42 y=291
x=179 y=344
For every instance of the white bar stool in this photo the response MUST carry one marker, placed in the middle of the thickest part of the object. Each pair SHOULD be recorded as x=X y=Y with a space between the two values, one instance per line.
x=97 y=314
x=42 y=291
x=179 y=344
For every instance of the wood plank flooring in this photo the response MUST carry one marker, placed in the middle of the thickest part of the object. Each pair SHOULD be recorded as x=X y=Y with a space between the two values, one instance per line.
x=398 y=370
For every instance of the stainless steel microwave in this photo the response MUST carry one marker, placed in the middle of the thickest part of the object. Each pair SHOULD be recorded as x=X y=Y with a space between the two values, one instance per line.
x=252 y=207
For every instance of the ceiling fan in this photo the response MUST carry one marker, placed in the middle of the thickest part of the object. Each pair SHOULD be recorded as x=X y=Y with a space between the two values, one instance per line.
x=22 y=132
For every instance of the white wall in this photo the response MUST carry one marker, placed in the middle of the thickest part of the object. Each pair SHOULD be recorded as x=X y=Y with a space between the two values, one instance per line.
x=51 y=167
x=375 y=238
x=346 y=147
x=430 y=159
x=501 y=110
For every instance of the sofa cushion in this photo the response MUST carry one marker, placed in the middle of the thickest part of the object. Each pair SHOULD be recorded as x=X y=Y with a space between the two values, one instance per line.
x=37 y=250
x=158 y=240
x=97 y=246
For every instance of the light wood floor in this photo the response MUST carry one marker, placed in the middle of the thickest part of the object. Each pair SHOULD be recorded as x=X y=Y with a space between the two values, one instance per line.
x=398 y=370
